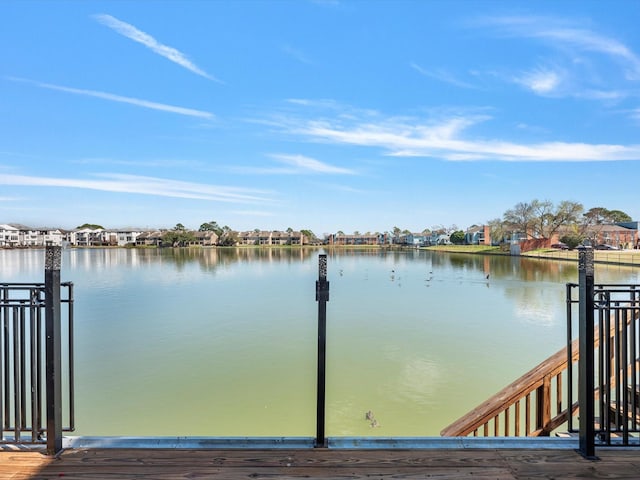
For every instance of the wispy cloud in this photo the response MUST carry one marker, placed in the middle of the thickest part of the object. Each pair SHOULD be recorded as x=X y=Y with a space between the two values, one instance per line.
x=591 y=60
x=310 y=165
x=297 y=54
x=442 y=75
x=540 y=81
x=294 y=165
x=143 y=185
x=448 y=139
x=148 y=41
x=119 y=98
x=160 y=163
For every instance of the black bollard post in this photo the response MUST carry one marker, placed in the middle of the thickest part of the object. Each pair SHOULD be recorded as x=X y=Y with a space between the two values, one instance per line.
x=586 y=366
x=53 y=345
x=322 y=297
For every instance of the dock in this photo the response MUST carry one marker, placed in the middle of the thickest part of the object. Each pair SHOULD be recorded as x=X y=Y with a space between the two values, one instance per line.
x=310 y=464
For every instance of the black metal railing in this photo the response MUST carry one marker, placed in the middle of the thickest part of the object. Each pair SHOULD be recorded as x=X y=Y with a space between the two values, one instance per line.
x=608 y=372
x=35 y=363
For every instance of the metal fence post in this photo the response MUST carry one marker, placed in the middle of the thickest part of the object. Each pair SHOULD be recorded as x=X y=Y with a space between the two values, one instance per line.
x=322 y=297
x=586 y=358
x=53 y=346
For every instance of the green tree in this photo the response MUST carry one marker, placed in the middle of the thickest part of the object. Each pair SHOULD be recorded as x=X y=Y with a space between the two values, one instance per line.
x=617 y=216
x=178 y=237
x=457 y=237
x=572 y=240
x=542 y=219
x=227 y=237
x=309 y=234
x=211 y=227
x=92 y=226
x=600 y=216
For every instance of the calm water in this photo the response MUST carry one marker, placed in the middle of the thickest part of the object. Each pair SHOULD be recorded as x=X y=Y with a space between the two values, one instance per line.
x=223 y=342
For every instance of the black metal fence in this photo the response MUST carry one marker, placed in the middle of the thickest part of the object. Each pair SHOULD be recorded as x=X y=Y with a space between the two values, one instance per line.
x=35 y=363
x=609 y=367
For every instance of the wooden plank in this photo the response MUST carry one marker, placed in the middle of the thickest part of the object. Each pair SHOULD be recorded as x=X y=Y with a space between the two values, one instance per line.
x=459 y=464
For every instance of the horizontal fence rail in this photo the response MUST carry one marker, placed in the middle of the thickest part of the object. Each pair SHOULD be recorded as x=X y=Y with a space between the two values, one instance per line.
x=23 y=398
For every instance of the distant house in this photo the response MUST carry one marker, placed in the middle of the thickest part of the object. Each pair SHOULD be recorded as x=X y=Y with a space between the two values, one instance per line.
x=623 y=235
x=478 y=235
x=205 y=239
x=416 y=239
x=150 y=239
x=16 y=235
x=440 y=237
x=343 y=239
x=9 y=236
x=87 y=237
x=120 y=237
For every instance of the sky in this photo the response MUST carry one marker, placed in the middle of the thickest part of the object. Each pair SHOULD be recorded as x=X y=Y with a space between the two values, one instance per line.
x=321 y=115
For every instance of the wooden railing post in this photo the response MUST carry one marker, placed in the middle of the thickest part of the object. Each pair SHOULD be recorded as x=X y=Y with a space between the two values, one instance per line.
x=543 y=406
x=53 y=348
x=586 y=347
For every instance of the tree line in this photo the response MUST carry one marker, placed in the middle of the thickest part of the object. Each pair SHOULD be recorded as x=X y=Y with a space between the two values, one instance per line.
x=544 y=219
x=537 y=218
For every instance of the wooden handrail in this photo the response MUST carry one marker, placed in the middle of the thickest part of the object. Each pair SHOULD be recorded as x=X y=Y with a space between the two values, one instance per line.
x=537 y=379
x=514 y=392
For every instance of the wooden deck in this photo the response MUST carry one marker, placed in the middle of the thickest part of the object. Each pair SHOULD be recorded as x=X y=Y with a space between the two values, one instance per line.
x=169 y=464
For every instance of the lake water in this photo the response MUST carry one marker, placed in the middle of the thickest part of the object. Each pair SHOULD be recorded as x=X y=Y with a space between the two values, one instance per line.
x=222 y=342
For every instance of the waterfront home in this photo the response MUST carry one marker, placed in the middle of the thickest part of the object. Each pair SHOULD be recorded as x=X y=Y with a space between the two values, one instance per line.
x=205 y=239
x=120 y=237
x=149 y=239
x=15 y=235
x=9 y=236
x=356 y=239
x=86 y=237
x=478 y=235
x=275 y=237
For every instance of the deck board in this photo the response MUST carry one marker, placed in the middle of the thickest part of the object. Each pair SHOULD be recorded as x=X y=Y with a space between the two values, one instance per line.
x=175 y=464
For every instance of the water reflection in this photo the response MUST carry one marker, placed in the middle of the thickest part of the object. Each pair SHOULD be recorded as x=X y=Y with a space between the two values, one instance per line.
x=222 y=341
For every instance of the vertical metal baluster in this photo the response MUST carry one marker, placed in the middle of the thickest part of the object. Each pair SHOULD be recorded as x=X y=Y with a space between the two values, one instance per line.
x=35 y=388
x=72 y=421
x=3 y=319
x=16 y=373
x=23 y=367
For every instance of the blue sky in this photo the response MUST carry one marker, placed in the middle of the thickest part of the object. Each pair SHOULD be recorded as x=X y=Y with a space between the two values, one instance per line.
x=327 y=115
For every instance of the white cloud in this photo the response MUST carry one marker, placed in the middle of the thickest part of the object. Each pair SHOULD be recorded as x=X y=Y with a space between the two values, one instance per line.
x=294 y=165
x=540 y=81
x=593 y=66
x=119 y=98
x=590 y=41
x=148 y=41
x=297 y=54
x=444 y=139
x=311 y=165
x=441 y=75
x=144 y=186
